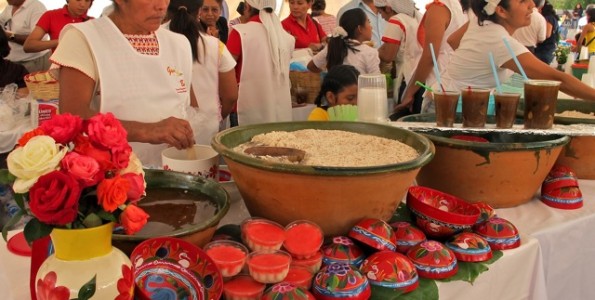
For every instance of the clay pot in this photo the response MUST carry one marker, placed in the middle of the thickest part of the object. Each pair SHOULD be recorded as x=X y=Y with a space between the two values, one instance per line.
x=505 y=172
x=578 y=155
x=334 y=198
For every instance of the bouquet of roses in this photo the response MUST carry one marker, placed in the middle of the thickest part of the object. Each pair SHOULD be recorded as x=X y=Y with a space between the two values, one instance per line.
x=72 y=173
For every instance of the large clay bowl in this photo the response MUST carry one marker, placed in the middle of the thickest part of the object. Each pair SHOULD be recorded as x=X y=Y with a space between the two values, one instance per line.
x=335 y=198
x=190 y=209
x=505 y=172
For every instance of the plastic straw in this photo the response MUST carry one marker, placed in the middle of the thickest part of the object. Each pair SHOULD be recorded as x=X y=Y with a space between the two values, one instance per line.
x=427 y=88
x=516 y=61
x=436 y=71
x=498 y=87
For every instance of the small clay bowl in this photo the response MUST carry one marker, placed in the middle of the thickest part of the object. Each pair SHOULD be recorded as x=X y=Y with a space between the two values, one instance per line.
x=229 y=256
x=286 y=290
x=407 y=236
x=439 y=214
x=559 y=177
x=342 y=250
x=374 y=233
x=486 y=211
x=312 y=263
x=500 y=233
x=563 y=198
x=470 y=247
x=391 y=270
x=262 y=234
x=340 y=281
x=433 y=260
x=303 y=239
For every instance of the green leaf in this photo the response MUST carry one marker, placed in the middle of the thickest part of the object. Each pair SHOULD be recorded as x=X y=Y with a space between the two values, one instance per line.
x=92 y=220
x=6 y=177
x=402 y=214
x=427 y=290
x=34 y=230
x=104 y=215
x=8 y=226
x=20 y=200
x=470 y=271
x=88 y=289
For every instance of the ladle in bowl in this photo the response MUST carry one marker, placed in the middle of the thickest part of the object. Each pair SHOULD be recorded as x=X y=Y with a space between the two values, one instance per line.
x=292 y=154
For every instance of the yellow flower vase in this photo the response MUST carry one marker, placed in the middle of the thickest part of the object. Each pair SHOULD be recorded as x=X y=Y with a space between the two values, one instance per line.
x=85 y=265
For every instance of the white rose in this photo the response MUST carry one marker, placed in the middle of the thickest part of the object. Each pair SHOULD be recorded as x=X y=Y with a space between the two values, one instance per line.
x=41 y=155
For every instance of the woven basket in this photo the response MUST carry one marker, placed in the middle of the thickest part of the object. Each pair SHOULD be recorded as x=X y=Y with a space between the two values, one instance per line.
x=304 y=80
x=42 y=86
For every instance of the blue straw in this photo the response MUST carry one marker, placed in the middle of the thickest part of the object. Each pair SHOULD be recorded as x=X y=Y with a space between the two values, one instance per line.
x=436 y=71
x=498 y=87
x=516 y=61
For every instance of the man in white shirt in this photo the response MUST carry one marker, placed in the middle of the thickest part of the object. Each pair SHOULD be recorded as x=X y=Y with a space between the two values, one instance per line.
x=376 y=20
x=19 y=19
x=533 y=34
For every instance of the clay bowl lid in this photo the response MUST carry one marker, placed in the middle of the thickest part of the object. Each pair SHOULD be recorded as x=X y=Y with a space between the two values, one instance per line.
x=486 y=211
x=341 y=281
x=469 y=246
x=563 y=198
x=500 y=233
x=391 y=270
x=374 y=233
x=342 y=250
x=446 y=213
x=407 y=236
x=433 y=260
x=560 y=176
x=285 y=290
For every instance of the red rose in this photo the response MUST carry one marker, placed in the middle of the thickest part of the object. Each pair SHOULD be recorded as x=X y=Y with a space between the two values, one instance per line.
x=84 y=168
x=63 y=128
x=53 y=199
x=83 y=146
x=137 y=186
x=133 y=218
x=105 y=130
x=112 y=192
x=121 y=156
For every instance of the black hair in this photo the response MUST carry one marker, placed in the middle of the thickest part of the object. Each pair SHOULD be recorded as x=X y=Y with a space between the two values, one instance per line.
x=4 y=48
x=465 y=4
x=338 y=47
x=183 y=19
x=478 y=5
x=548 y=10
x=319 y=5
x=590 y=14
x=337 y=78
x=240 y=8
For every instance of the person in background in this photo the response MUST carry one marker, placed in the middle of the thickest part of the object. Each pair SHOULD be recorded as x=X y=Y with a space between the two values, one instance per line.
x=327 y=21
x=498 y=19
x=346 y=46
x=402 y=23
x=244 y=15
x=534 y=33
x=307 y=32
x=213 y=77
x=587 y=35
x=545 y=50
x=52 y=22
x=263 y=50
x=441 y=19
x=376 y=20
x=9 y=71
x=211 y=19
x=338 y=87
x=127 y=65
x=577 y=13
x=19 y=19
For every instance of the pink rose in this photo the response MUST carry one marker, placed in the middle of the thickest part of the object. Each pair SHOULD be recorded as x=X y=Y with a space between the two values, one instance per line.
x=83 y=168
x=133 y=218
x=106 y=131
x=63 y=128
x=137 y=186
x=84 y=147
x=121 y=156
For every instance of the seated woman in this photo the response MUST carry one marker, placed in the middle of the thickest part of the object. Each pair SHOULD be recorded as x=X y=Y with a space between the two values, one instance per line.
x=497 y=20
x=307 y=32
x=10 y=72
x=52 y=22
x=338 y=87
x=346 y=46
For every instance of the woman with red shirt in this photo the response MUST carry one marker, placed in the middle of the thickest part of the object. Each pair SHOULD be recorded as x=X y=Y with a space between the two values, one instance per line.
x=52 y=22
x=307 y=32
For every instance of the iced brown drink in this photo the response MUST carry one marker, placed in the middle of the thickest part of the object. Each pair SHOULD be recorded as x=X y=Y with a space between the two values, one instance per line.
x=446 y=107
x=540 y=103
x=506 y=105
x=475 y=107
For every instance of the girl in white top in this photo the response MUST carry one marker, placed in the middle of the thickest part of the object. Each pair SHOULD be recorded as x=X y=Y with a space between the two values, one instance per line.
x=346 y=46
x=213 y=77
x=470 y=65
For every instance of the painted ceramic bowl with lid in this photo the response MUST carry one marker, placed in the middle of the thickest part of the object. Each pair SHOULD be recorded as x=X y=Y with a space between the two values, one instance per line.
x=433 y=260
x=500 y=233
x=342 y=250
x=470 y=247
x=374 y=233
x=439 y=214
x=407 y=236
x=287 y=291
x=391 y=270
x=340 y=281
x=563 y=198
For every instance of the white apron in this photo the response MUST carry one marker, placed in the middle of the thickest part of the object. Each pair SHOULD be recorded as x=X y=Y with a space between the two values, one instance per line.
x=263 y=97
x=138 y=87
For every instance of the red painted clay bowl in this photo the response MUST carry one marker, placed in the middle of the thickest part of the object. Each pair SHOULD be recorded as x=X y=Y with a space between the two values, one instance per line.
x=500 y=233
x=505 y=172
x=287 y=291
x=342 y=250
x=469 y=246
x=374 y=233
x=407 y=236
x=335 y=198
x=439 y=214
x=433 y=260
x=391 y=270
x=560 y=176
x=340 y=281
